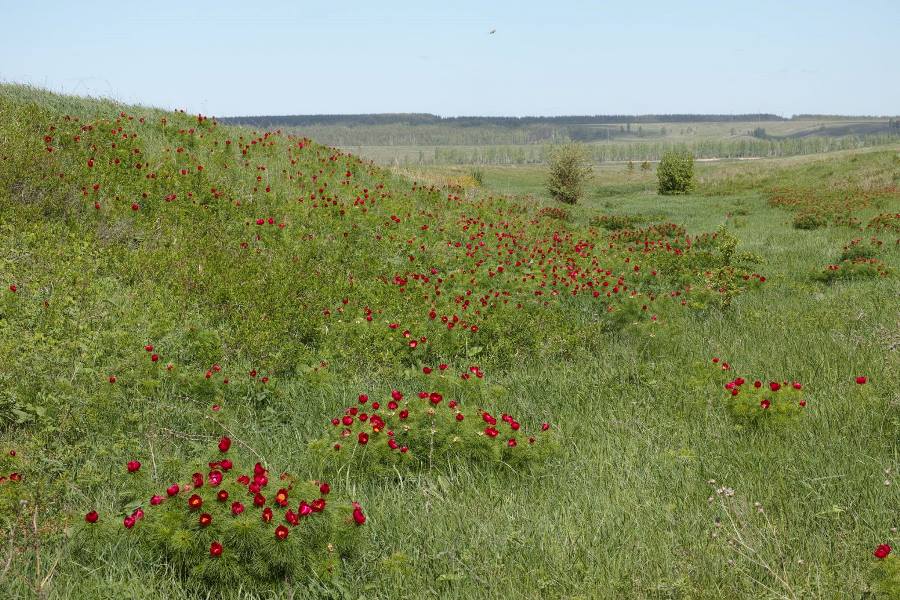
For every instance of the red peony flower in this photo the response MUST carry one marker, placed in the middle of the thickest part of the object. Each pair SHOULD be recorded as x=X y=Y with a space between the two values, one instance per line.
x=156 y=500
x=224 y=444
x=882 y=551
x=281 y=532
x=765 y=404
x=128 y=522
x=197 y=480
x=363 y=438
x=195 y=502
x=91 y=517
x=133 y=466
x=173 y=489
x=237 y=508
x=358 y=515
x=861 y=380
x=205 y=519
x=774 y=386
x=491 y=432
x=215 y=549
x=324 y=489
x=215 y=478
x=267 y=515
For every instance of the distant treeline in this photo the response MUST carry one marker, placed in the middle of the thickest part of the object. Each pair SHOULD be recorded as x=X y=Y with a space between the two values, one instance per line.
x=636 y=151
x=274 y=121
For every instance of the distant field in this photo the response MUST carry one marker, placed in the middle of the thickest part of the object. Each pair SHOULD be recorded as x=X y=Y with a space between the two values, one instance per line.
x=484 y=141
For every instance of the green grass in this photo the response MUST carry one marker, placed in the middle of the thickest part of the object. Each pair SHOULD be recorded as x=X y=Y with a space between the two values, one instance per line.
x=623 y=509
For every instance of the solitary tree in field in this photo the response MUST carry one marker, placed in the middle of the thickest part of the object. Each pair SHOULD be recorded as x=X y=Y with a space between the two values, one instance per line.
x=570 y=169
x=675 y=173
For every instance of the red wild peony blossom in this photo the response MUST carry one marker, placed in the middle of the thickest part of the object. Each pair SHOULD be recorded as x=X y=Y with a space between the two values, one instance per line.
x=237 y=508
x=133 y=466
x=882 y=551
x=281 y=532
x=197 y=480
x=490 y=432
x=91 y=517
x=173 y=489
x=861 y=380
x=765 y=404
x=195 y=502
x=156 y=500
x=205 y=519
x=215 y=549
x=324 y=489
x=358 y=515
x=222 y=496
x=128 y=522
x=224 y=444
x=267 y=515
x=363 y=438
x=774 y=386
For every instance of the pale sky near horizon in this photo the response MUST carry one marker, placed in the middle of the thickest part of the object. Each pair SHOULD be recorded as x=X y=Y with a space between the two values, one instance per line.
x=546 y=58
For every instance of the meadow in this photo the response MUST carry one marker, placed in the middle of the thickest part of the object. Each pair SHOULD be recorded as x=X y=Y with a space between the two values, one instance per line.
x=583 y=419
x=424 y=140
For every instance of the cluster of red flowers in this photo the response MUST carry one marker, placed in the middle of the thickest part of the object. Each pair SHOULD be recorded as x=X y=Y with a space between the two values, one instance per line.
x=734 y=387
x=400 y=418
x=15 y=476
x=256 y=496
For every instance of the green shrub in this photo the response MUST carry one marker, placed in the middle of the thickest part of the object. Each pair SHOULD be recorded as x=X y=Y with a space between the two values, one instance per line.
x=226 y=526
x=852 y=270
x=675 y=173
x=809 y=220
x=570 y=169
x=425 y=431
x=554 y=212
x=760 y=402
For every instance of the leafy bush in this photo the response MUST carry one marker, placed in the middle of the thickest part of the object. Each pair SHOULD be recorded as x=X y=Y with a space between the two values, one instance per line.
x=886 y=574
x=554 y=212
x=858 y=249
x=885 y=222
x=222 y=530
x=760 y=402
x=853 y=269
x=675 y=173
x=570 y=169
x=809 y=220
x=425 y=431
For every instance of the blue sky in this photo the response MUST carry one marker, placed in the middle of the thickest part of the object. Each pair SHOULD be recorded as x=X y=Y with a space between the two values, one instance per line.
x=546 y=58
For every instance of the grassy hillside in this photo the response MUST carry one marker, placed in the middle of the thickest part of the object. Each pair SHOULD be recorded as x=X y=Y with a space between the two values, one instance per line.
x=277 y=280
